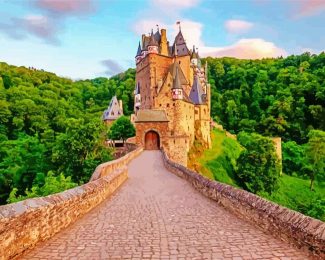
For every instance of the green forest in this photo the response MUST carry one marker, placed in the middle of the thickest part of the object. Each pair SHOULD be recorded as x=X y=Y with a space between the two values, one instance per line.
x=51 y=134
x=256 y=99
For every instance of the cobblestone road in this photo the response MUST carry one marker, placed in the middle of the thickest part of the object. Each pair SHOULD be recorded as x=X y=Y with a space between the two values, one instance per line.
x=156 y=215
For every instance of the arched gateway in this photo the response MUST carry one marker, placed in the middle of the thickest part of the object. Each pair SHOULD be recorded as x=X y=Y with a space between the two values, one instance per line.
x=152 y=141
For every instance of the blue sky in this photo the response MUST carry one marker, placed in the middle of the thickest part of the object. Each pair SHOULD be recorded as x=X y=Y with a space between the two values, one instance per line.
x=91 y=38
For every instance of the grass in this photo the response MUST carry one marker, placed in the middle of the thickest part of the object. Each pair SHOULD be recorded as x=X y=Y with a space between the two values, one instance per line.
x=218 y=163
x=294 y=193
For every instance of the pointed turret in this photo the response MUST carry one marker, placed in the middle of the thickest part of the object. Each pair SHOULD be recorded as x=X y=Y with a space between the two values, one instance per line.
x=139 y=51
x=153 y=41
x=177 y=81
x=113 y=111
x=157 y=36
x=180 y=44
x=197 y=95
x=194 y=57
x=153 y=44
x=177 y=90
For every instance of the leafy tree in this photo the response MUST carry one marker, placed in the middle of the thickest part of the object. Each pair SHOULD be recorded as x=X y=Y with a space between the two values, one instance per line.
x=257 y=166
x=316 y=155
x=121 y=129
x=22 y=160
x=294 y=160
x=42 y=116
x=285 y=96
x=52 y=184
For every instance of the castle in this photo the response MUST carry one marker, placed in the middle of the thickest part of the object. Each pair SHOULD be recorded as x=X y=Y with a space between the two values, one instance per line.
x=172 y=96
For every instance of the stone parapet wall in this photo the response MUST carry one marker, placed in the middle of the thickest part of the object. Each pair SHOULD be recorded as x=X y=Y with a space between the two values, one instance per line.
x=107 y=168
x=302 y=231
x=25 y=223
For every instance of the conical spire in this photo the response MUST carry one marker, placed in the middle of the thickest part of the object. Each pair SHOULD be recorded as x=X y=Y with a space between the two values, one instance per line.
x=195 y=54
x=177 y=81
x=152 y=41
x=139 y=51
x=196 y=94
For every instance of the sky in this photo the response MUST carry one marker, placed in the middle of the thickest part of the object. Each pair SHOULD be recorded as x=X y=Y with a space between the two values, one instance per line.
x=83 y=39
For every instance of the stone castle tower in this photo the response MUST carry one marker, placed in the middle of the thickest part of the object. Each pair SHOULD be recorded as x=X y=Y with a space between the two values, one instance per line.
x=172 y=96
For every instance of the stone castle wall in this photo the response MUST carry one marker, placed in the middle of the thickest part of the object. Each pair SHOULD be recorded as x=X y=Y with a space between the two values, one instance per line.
x=25 y=223
x=143 y=127
x=302 y=231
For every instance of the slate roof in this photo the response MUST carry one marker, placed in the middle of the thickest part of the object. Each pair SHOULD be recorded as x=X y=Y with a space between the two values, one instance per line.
x=195 y=54
x=197 y=95
x=177 y=81
x=179 y=46
x=152 y=41
x=113 y=111
x=157 y=36
x=139 y=51
x=148 y=115
x=145 y=42
x=175 y=67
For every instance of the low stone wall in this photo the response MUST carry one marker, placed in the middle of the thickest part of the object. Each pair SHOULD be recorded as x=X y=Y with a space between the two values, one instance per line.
x=108 y=167
x=25 y=223
x=291 y=226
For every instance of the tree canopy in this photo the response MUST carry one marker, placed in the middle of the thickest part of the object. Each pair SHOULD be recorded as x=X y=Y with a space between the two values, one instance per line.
x=121 y=129
x=274 y=97
x=53 y=124
x=258 y=167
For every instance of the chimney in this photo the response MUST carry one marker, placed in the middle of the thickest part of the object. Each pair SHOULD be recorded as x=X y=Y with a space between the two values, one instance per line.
x=163 y=44
x=142 y=42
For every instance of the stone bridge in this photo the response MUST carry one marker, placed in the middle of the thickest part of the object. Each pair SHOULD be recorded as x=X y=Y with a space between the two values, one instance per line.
x=157 y=215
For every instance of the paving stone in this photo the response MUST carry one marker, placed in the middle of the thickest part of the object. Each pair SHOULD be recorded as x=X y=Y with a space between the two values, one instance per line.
x=156 y=214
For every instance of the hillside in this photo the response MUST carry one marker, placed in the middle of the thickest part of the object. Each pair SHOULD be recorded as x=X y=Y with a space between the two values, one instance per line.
x=219 y=163
x=275 y=97
x=50 y=129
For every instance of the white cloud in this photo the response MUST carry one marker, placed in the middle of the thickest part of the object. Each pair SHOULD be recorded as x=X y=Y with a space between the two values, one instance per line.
x=309 y=7
x=144 y=26
x=192 y=32
x=255 y=48
x=175 y=4
x=238 y=26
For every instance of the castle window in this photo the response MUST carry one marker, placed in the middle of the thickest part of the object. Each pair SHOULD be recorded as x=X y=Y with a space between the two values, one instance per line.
x=174 y=141
x=167 y=104
x=173 y=104
x=160 y=105
x=172 y=132
x=112 y=113
x=196 y=112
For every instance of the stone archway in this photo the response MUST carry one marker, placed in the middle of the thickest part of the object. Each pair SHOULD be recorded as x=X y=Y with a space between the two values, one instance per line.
x=151 y=140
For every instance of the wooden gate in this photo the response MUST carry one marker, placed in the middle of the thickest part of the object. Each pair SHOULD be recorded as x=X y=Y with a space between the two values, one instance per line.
x=152 y=141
